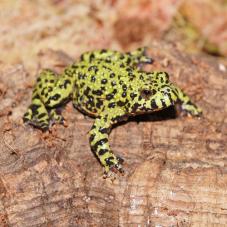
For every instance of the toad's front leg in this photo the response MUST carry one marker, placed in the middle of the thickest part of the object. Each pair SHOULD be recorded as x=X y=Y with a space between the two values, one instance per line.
x=99 y=141
x=187 y=105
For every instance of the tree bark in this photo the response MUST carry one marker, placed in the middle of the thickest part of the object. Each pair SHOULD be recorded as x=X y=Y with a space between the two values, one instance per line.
x=175 y=166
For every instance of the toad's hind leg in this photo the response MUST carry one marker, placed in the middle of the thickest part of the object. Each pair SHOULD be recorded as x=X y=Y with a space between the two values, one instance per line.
x=133 y=58
x=139 y=56
x=37 y=114
x=46 y=96
x=54 y=90
x=46 y=89
x=99 y=141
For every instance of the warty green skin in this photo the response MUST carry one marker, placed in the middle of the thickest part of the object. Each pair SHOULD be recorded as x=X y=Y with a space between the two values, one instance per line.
x=109 y=86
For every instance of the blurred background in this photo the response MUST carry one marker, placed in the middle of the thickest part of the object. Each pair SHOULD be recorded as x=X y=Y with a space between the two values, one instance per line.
x=29 y=28
x=175 y=169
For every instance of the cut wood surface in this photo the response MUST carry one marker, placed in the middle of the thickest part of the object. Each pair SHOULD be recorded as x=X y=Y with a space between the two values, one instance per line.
x=175 y=167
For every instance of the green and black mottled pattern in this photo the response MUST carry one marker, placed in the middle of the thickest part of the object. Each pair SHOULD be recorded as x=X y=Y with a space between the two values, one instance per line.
x=109 y=86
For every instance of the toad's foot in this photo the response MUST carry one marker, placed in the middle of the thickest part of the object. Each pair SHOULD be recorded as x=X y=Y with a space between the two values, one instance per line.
x=56 y=117
x=112 y=170
x=191 y=109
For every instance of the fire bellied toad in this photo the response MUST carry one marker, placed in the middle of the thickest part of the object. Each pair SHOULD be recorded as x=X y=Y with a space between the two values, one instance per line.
x=109 y=86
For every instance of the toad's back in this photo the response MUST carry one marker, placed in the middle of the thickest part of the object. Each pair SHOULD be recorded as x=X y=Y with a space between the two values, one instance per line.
x=103 y=85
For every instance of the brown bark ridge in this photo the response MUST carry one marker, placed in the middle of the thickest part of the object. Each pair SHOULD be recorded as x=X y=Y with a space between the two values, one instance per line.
x=175 y=166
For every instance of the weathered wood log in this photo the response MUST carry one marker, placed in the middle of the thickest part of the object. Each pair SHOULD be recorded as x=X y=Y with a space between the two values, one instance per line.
x=176 y=167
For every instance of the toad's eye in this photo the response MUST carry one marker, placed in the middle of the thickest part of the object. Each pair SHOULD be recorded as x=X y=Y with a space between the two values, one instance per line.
x=146 y=94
